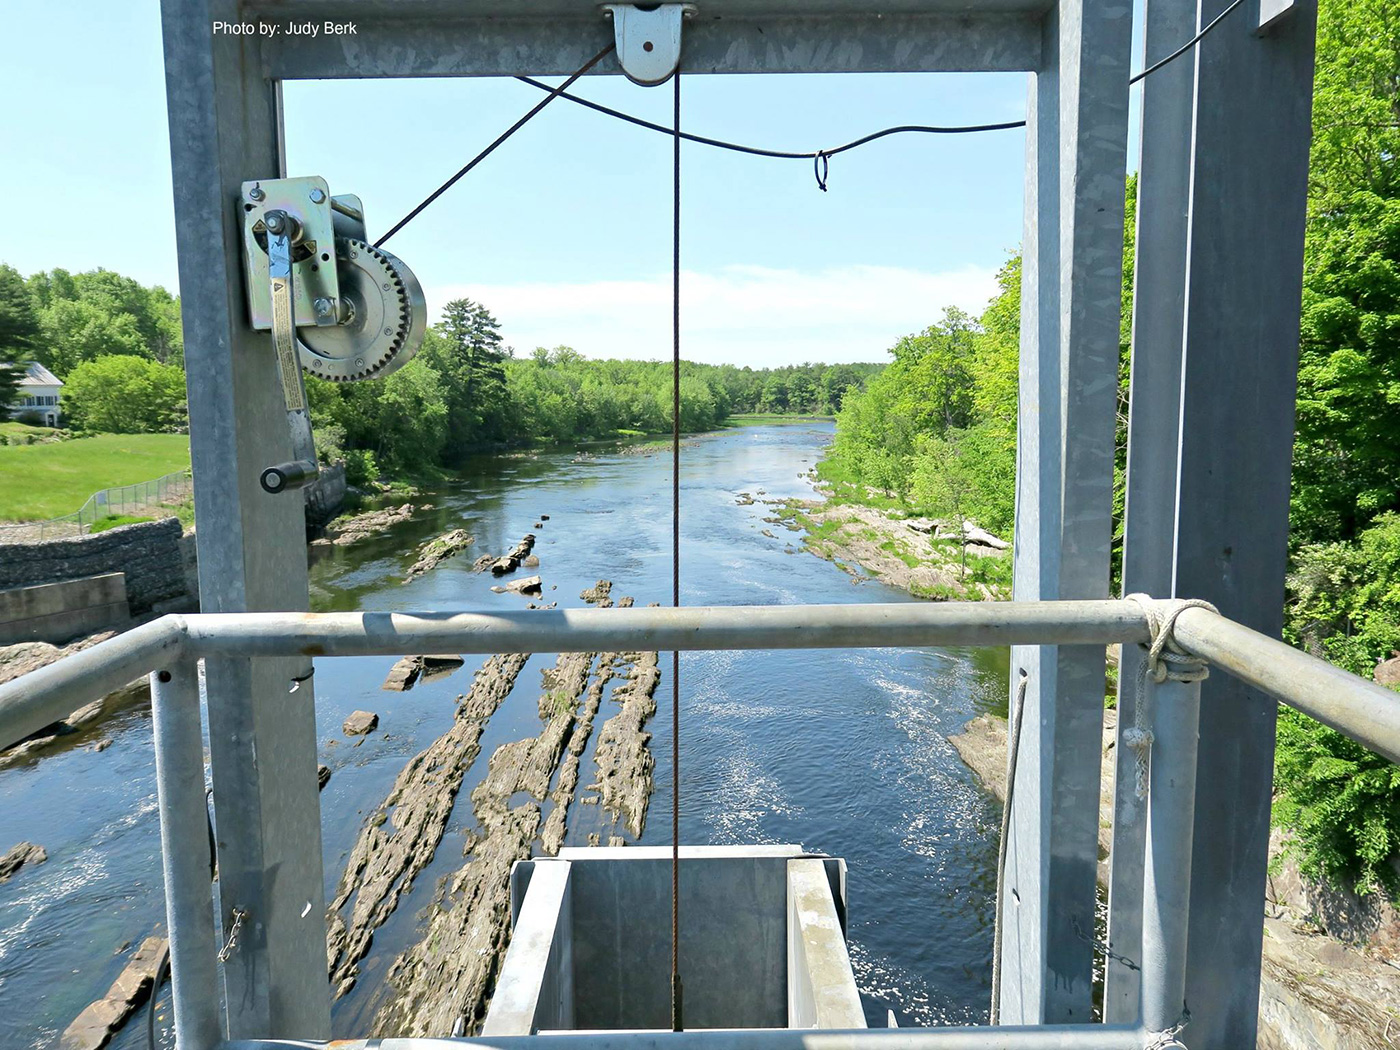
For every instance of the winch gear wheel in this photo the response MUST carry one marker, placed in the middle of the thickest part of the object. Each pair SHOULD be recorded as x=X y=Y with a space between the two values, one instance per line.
x=386 y=323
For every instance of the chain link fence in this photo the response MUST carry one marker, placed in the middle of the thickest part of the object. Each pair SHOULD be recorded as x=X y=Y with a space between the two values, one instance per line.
x=147 y=499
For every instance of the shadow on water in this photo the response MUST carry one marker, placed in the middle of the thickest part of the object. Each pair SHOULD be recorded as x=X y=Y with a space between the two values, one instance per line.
x=840 y=751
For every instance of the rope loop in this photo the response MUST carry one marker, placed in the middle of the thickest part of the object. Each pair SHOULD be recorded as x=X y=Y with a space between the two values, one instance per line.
x=1166 y=660
x=821 y=168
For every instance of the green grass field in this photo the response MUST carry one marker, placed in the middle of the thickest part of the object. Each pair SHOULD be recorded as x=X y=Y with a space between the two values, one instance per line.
x=47 y=481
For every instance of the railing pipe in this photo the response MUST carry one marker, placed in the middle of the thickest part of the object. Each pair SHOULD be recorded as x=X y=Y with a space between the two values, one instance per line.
x=1364 y=711
x=1171 y=808
x=689 y=628
x=42 y=697
x=189 y=902
x=1006 y=1037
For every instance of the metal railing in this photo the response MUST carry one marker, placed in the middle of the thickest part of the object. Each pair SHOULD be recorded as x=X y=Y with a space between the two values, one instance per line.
x=158 y=498
x=171 y=647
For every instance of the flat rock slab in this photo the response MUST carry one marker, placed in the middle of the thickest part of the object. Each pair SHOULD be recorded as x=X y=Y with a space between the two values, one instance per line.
x=360 y=722
x=402 y=675
x=18 y=856
x=439 y=665
x=439 y=550
x=94 y=1027
x=527 y=585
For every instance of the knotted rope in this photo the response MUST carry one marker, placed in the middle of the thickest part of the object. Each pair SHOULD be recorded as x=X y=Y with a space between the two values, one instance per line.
x=1166 y=661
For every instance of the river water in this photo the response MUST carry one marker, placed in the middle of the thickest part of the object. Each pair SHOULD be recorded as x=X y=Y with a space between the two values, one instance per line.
x=840 y=752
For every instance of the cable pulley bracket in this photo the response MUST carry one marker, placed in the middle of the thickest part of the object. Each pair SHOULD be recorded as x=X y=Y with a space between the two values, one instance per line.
x=648 y=39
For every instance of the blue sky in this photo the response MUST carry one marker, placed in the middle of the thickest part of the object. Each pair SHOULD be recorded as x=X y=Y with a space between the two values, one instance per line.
x=565 y=231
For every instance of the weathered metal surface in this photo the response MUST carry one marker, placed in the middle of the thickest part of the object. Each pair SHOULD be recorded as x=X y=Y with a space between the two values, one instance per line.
x=1159 y=285
x=225 y=126
x=1070 y=297
x=1249 y=164
x=452 y=43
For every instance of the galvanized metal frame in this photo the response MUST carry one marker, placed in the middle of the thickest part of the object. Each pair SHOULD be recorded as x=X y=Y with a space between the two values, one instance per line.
x=171 y=648
x=1237 y=109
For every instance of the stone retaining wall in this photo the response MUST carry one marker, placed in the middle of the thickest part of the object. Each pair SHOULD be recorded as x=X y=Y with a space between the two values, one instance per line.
x=148 y=552
x=325 y=495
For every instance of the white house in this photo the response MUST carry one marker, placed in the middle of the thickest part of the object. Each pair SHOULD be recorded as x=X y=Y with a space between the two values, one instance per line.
x=38 y=393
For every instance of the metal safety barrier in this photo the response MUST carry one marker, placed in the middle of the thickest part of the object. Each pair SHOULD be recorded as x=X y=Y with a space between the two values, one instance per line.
x=169 y=650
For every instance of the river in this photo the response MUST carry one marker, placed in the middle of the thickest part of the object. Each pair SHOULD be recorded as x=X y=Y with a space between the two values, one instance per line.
x=843 y=752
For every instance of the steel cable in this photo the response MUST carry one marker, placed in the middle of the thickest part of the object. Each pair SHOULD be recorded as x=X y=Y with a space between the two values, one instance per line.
x=676 y=1019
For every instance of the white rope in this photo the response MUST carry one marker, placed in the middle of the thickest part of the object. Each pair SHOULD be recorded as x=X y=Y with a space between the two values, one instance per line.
x=1165 y=661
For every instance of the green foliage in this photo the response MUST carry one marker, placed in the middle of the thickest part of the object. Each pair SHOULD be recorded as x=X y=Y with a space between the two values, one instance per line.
x=111 y=521
x=1344 y=598
x=120 y=394
x=935 y=432
x=1347 y=454
x=19 y=319
x=11 y=373
x=1340 y=801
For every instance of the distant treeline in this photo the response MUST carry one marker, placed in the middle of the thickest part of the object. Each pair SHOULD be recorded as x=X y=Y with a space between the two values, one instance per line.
x=465 y=391
x=117 y=346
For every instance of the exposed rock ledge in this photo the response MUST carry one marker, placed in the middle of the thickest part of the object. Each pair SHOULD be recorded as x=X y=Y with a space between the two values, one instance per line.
x=1315 y=992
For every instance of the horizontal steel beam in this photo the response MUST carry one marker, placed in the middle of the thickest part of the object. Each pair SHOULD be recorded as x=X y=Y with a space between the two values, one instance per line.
x=989 y=1037
x=415 y=43
x=1366 y=712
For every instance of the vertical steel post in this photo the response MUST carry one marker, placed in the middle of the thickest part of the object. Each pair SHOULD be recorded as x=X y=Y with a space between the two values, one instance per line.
x=1076 y=159
x=189 y=901
x=1249 y=163
x=1159 y=284
x=225 y=128
x=1175 y=719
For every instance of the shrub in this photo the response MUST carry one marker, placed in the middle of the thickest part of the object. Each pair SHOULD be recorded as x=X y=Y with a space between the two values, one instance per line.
x=1340 y=801
x=360 y=467
x=121 y=394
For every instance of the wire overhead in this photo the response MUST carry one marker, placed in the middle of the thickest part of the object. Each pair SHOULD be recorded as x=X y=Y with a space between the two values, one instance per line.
x=676 y=1017
x=820 y=158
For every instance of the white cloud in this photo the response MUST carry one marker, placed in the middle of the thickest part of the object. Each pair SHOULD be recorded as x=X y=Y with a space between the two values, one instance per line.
x=740 y=314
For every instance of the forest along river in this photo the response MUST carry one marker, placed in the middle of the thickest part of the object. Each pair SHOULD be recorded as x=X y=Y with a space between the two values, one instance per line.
x=842 y=752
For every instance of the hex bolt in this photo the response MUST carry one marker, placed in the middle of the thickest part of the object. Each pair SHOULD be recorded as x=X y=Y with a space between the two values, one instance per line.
x=323 y=306
x=256 y=193
x=318 y=195
x=388 y=331
x=276 y=222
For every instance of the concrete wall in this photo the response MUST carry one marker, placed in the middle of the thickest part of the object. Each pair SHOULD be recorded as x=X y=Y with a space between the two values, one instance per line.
x=325 y=495
x=148 y=553
x=821 y=989
x=59 y=612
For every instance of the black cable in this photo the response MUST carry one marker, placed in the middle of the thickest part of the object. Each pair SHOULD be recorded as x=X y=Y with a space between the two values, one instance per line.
x=676 y=1019
x=776 y=154
x=553 y=94
x=1186 y=46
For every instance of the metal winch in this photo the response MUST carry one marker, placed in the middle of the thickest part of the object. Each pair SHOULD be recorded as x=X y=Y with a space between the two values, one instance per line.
x=338 y=307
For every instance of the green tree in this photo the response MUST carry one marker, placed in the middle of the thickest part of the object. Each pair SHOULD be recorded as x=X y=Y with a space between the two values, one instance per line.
x=122 y=394
x=19 y=320
x=11 y=373
x=75 y=331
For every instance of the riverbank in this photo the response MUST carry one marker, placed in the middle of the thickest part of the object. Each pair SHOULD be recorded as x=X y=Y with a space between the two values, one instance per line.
x=1320 y=987
x=927 y=557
